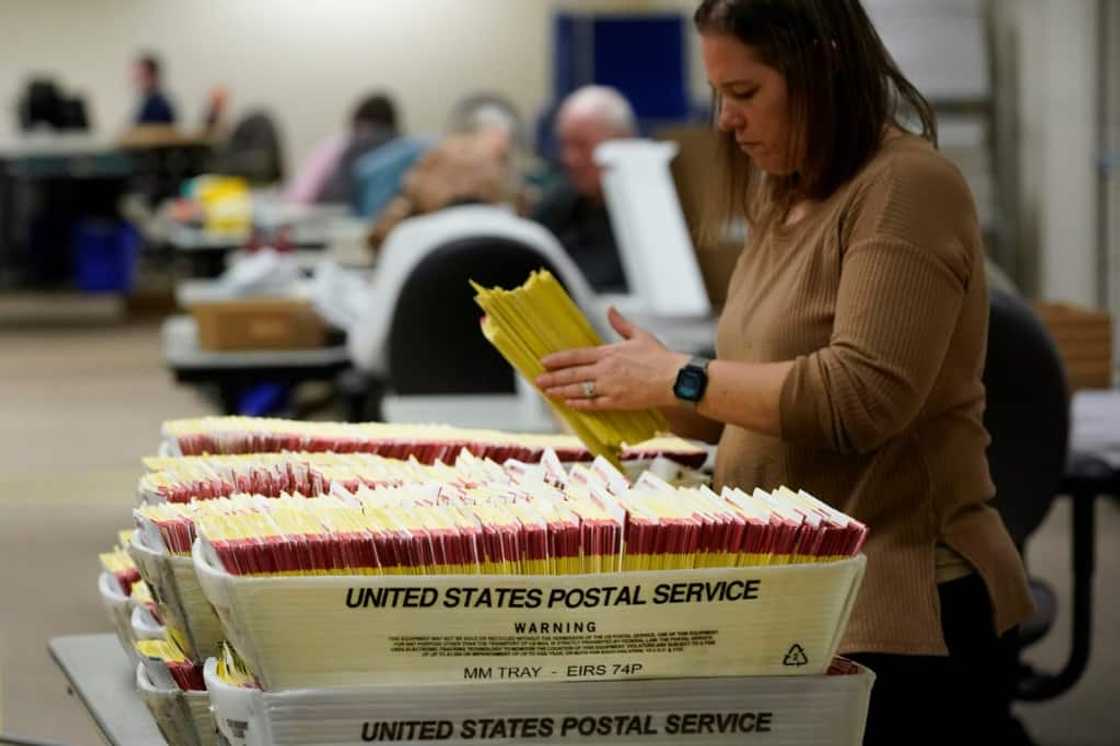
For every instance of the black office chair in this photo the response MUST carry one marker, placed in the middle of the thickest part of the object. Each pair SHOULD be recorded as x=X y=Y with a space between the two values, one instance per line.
x=435 y=343
x=1027 y=414
x=1028 y=417
x=45 y=104
x=253 y=151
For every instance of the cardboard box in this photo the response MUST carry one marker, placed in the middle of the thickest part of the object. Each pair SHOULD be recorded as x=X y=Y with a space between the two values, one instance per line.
x=258 y=324
x=821 y=710
x=356 y=630
x=1084 y=340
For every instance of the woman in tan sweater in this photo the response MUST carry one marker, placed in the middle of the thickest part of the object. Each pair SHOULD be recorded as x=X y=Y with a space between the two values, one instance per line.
x=850 y=354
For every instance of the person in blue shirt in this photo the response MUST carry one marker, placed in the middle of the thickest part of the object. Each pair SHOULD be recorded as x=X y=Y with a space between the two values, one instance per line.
x=155 y=108
x=372 y=125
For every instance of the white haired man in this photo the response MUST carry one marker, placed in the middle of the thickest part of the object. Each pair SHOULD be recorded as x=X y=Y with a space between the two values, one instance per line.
x=575 y=211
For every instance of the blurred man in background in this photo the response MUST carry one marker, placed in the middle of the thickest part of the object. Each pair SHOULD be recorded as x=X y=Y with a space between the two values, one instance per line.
x=155 y=108
x=575 y=211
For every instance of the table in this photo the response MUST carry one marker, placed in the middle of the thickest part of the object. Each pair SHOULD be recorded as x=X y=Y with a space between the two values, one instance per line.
x=312 y=230
x=206 y=252
x=1092 y=471
x=1095 y=425
x=48 y=182
x=103 y=678
x=233 y=372
x=46 y=185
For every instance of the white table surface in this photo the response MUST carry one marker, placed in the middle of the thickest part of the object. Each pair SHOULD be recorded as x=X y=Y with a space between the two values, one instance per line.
x=1095 y=425
x=104 y=679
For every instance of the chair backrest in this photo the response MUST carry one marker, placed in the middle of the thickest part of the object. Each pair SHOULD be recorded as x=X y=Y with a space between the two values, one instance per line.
x=435 y=343
x=254 y=151
x=42 y=104
x=1027 y=414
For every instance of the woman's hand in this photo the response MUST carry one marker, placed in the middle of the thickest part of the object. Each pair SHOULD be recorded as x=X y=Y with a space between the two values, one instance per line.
x=637 y=373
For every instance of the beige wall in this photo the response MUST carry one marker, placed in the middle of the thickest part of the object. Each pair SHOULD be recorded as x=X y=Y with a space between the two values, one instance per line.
x=307 y=61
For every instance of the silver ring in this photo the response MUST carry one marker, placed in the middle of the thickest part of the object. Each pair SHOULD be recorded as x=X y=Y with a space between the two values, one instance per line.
x=589 y=389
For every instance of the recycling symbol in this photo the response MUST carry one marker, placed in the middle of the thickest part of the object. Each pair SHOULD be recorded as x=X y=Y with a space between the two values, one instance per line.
x=795 y=657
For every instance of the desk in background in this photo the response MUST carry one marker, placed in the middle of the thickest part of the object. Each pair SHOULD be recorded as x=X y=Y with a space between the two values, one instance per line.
x=235 y=372
x=49 y=183
x=314 y=232
x=46 y=187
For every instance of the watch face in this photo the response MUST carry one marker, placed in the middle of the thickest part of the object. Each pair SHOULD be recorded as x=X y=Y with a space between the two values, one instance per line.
x=690 y=384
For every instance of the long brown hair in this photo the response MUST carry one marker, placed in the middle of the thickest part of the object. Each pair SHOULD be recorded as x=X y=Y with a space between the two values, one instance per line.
x=844 y=88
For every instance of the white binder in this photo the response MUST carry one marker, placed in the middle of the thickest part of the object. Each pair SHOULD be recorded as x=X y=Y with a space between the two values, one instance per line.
x=650 y=228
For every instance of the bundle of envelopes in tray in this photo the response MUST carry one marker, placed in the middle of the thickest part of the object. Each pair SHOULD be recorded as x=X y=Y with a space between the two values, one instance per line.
x=539 y=318
x=180 y=603
x=172 y=687
x=169 y=682
x=161 y=549
x=711 y=583
x=168 y=666
x=345 y=580
x=118 y=564
x=425 y=443
x=503 y=530
x=480 y=517
x=123 y=593
x=186 y=478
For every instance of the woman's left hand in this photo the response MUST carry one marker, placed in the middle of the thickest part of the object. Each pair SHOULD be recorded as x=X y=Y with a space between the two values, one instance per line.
x=637 y=373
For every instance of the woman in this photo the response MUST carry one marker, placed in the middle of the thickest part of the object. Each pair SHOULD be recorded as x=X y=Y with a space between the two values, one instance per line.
x=850 y=353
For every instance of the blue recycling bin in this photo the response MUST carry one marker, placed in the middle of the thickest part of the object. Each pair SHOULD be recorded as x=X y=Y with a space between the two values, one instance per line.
x=105 y=256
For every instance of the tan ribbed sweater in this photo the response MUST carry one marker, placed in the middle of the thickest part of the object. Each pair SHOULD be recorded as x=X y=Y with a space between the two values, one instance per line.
x=879 y=297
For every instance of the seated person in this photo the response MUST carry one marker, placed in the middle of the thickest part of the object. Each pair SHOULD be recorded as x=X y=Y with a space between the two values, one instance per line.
x=489 y=111
x=474 y=164
x=373 y=124
x=155 y=108
x=314 y=171
x=575 y=211
x=378 y=175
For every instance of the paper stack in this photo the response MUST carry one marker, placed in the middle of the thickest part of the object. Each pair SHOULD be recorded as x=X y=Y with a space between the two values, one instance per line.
x=172 y=687
x=161 y=548
x=169 y=681
x=539 y=318
x=689 y=580
x=182 y=607
x=455 y=595
x=425 y=443
x=168 y=667
x=370 y=515
x=183 y=479
x=497 y=529
x=124 y=595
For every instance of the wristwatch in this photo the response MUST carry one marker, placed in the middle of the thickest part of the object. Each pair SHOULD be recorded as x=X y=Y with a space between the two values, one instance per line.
x=692 y=381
